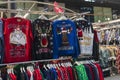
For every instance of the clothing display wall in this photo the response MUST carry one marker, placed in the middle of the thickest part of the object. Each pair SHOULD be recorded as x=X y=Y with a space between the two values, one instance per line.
x=41 y=39
x=45 y=39
x=109 y=39
x=39 y=49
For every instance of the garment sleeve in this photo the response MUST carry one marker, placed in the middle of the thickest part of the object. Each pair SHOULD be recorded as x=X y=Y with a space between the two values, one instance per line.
x=30 y=29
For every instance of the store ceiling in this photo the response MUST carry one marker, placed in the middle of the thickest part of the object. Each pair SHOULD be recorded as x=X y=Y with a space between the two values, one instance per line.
x=99 y=1
x=102 y=3
x=113 y=1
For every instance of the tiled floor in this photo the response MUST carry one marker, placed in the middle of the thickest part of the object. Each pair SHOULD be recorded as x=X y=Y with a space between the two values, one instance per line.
x=116 y=77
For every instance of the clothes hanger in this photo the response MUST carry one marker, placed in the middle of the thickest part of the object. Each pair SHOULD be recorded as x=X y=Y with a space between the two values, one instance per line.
x=42 y=17
x=82 y=22
x=81 y=18
x=49 y=66
x=19 y=13
x=65 y=64
x=90 y=60
x=62 y=64
x=44 y=66
x=57 y=66
x=77 y=63
x=30 y=68
x=52 y=66
x=21 y=70
x=62 y=17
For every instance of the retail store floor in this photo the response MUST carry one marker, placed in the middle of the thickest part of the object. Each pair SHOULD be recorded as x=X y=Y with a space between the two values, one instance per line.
x=116 y=77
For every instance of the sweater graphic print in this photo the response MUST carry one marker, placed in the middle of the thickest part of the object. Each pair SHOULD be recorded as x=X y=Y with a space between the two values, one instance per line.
x=17 y=41
x=43 y=43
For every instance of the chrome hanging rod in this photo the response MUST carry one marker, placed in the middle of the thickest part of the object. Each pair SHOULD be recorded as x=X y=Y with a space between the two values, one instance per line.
x=27 y=62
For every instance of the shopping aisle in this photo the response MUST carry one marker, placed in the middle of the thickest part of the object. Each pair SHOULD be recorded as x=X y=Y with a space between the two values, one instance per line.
x=116 y=77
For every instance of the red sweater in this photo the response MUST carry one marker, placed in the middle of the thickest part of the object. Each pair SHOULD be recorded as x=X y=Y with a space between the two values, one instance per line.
x=18 y=39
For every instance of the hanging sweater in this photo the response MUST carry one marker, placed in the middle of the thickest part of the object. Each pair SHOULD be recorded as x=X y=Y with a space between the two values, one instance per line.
x=64 y=39
x=18 y=39
x=1 y=42
x=42 y=32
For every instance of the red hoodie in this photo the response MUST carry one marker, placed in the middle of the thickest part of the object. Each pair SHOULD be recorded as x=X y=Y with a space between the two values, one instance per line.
x=18 y=39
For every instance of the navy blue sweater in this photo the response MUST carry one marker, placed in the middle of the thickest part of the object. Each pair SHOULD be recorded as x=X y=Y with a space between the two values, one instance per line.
x=65 y=39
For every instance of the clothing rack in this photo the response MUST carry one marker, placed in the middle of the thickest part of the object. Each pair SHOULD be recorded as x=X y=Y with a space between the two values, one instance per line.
x=106 y=23
x=27 y=62
x=114 y=24
x=107 y=45
x=80 y=58
x=44 y=3
x=40 y=12
x=35 y=2
x=110 y=27
x=116 y=27
x=30 y=11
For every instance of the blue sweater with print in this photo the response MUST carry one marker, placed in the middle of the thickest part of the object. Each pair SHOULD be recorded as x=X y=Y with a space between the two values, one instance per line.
x=65 y=39
x=1 y=42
